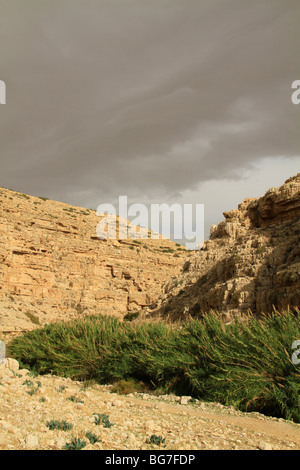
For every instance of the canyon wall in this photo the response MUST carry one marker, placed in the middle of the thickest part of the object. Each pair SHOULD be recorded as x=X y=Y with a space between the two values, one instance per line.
x=250 y=263
x=54 y=267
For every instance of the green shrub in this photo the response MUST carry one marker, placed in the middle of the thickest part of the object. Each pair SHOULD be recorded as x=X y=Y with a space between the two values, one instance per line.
x=75 y=444
x=74 y=399
x=157 y=440
x=92 y=437
x=103 y=419
x=60 y=425
x=246 y=364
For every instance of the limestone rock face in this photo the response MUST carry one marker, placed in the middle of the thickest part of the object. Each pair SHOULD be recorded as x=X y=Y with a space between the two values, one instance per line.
x=54 y=266
x=251 y=261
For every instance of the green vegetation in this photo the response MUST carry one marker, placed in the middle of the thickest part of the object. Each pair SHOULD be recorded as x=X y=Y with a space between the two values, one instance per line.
x=75 y=444
x=246 y=364
x=157 y=440
x=75 y=399
x=103 y=419
x=33 y=390
x=92 y=437
x=60 y=425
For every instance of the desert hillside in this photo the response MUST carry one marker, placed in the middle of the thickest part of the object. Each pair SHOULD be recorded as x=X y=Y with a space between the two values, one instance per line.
x=54 y=267
x=251 y=262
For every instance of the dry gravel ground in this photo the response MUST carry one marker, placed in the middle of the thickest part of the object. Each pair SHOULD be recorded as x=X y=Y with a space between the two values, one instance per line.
x=28 y=403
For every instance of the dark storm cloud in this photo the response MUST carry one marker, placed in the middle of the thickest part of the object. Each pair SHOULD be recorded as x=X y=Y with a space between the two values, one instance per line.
x=129 y=97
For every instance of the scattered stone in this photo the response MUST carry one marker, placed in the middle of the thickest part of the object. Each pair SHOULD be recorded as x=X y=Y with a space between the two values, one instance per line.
x=23 y=372
x=9 y=367
x=116 y=403
x=184 y=400
x=264 y=446
x=31 y=441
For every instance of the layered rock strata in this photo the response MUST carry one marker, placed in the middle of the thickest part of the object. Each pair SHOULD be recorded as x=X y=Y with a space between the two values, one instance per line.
x=54 y=267
x=251 y=261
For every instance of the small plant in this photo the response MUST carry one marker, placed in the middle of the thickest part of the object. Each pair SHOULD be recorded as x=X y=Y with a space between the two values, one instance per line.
x=75 y=399
x=157 y=440
x=75 y=444
x=29 y=383
x=92 y=437
x=102 y=419
x=60 y=425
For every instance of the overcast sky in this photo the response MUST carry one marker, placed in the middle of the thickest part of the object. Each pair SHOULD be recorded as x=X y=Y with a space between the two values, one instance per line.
x=171 y=101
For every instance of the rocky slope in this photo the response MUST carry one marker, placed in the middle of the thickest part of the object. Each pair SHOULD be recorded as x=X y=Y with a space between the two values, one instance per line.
x=54 y=267
x=251 y=262
x=32 y=407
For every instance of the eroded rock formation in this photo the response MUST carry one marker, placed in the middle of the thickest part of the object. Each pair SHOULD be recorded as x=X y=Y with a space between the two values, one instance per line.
x=251 y=261
x=54 y=267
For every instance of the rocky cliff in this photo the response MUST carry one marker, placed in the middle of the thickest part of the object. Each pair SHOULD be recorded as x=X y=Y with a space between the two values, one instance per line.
x=251 y=262
x=54 y=267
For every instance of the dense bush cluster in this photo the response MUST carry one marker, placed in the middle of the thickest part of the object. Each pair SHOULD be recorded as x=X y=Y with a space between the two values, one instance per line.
x=246 y=364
